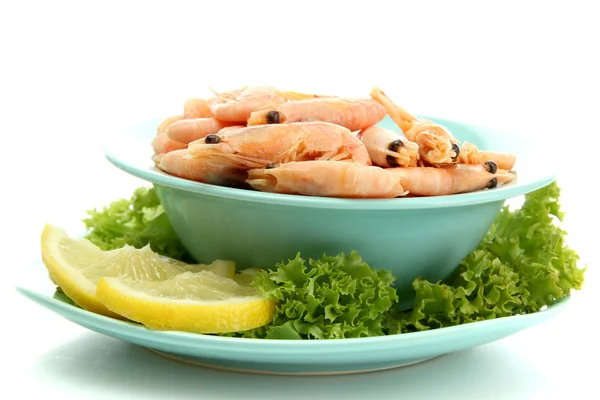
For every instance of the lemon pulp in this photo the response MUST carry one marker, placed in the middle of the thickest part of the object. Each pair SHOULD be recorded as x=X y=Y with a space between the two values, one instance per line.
x=199 y=302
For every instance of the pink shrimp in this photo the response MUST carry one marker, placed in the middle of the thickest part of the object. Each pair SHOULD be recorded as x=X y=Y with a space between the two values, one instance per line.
x=261 y=145
x=326 y=179
x=188 y=130
x=354 y=114
x=163 y=144
x=180 y=164
x=238 y=106
x=470 y=154
x=437 y=146
x=162 y=127
x=451 y=179
x=197 y=108
x=388 y=148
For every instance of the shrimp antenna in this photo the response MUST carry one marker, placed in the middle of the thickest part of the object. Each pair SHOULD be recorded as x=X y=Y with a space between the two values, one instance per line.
x=217 y=94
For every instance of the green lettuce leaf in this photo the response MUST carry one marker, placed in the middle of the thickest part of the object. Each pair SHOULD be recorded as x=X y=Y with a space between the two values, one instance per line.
x=137 y=221
x=331 y=298
x=522 y=265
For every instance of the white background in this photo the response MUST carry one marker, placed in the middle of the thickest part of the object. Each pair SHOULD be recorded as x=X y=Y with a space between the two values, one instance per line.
x=73 y=71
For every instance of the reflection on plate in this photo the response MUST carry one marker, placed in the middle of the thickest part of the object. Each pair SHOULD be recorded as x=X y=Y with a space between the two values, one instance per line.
x=314 y=357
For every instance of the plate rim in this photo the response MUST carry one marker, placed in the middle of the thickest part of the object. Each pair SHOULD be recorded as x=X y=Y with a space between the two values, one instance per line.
x=252 y=345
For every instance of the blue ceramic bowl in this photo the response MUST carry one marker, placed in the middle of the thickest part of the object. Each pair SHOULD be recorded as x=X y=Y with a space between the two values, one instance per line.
x=414 y=237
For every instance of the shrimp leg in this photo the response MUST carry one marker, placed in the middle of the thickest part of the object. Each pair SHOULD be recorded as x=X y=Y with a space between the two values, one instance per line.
x=388 y=148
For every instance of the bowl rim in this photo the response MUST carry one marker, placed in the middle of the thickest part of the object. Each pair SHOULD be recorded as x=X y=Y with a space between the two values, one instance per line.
x=150 y=173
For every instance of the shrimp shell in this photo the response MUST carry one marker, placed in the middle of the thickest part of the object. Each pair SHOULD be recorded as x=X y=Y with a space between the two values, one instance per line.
x=354 y=114
x=188 y=130
x=327 y=179
x=260 y=145
x=452 y=179
x=237 y=106
x=388 y=148
x=231 y=128
x=162 y=144
x=162 y=127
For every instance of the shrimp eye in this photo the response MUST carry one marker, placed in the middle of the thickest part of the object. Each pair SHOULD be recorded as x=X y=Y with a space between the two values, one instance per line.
x=273 y=117
x=395 y=145
x=271 y=166
x=212 y=139
x=490 y=167
x=492 y=183
x=455 y=149
x=392 y=161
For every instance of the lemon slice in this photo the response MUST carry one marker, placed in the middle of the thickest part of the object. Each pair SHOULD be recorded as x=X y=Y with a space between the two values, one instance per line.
x=198 y=302
x=76 y=265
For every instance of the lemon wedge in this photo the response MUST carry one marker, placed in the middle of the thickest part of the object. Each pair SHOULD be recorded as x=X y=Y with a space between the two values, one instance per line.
x=77 y=265
x=198 y=302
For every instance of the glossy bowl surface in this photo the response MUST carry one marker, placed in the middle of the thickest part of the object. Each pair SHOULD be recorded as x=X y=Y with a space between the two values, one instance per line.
x=425 y=237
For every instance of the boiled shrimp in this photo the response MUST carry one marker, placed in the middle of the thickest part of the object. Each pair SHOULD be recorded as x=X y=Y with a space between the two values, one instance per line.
x=354 y=114
x=188 y=130
x=437 y=146
x=470 y=154
x=260 y=145
x=238 y=106
x=326 y=179
x=388 y=148
x=451 y=179
x=162 y=127
x=162 y=144
x=179 y=163
x=197 y=108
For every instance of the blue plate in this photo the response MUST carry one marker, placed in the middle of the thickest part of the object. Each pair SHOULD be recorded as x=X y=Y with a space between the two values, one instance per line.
x=314 y=357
